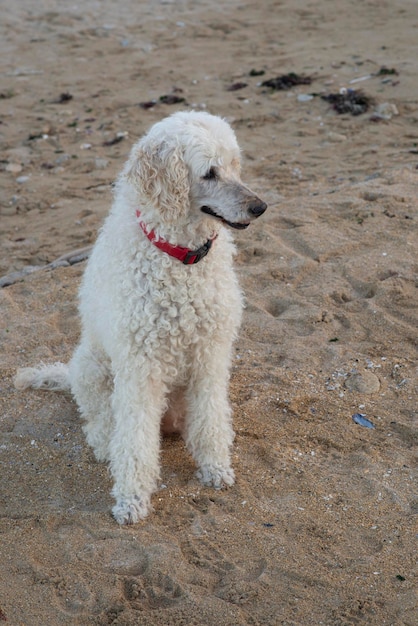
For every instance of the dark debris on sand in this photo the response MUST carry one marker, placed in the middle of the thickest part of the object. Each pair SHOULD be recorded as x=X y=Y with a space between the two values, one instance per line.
x=349 y=101
x=286 y=81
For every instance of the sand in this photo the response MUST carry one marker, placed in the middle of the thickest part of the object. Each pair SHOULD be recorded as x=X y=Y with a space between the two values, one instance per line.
x=321 y=526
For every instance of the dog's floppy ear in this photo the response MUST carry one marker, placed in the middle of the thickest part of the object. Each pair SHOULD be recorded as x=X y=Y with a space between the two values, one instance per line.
x=160 y=174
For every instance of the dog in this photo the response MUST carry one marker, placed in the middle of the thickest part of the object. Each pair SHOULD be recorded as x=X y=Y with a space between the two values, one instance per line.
x=160 y=307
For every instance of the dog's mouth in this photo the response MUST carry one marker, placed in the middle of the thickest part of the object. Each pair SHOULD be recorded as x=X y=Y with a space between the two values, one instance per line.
x=237 y=225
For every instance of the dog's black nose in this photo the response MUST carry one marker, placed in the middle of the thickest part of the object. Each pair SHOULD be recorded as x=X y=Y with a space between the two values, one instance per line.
x=257 y=207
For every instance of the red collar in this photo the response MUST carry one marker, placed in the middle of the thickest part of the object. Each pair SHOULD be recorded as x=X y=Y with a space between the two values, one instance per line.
x=185 y=255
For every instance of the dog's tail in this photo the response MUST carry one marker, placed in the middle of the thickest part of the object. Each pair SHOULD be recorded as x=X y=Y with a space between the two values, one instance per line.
x=54 y=377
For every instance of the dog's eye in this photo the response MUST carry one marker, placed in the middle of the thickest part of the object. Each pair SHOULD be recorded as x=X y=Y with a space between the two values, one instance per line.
x=210 y=174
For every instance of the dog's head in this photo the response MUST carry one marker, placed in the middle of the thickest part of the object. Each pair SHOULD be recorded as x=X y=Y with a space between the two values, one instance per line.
x=188 y=167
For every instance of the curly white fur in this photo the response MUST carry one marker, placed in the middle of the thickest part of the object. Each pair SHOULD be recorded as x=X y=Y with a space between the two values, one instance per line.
x=156 y=334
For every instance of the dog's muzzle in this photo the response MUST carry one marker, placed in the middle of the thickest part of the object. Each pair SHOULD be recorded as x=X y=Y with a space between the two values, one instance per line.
x=255 y=208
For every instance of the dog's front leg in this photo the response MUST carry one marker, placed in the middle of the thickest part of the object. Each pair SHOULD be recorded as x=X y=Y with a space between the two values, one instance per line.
x=209 y=433
x=138 y=405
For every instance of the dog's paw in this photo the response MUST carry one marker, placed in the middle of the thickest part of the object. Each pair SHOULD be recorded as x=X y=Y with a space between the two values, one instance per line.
x=216 y=476
x=130 y=510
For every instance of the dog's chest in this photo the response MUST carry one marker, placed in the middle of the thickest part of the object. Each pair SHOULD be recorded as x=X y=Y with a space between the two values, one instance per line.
x=172 y=308
x=177 y=312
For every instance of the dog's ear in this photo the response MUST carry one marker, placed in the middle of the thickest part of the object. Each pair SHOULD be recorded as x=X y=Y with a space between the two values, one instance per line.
x=161 y=175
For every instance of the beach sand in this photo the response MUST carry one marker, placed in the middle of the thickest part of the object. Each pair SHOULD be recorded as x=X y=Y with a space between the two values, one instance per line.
x=321 y=526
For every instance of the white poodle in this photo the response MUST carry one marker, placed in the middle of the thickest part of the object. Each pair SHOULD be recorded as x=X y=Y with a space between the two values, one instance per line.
x=160 y=307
